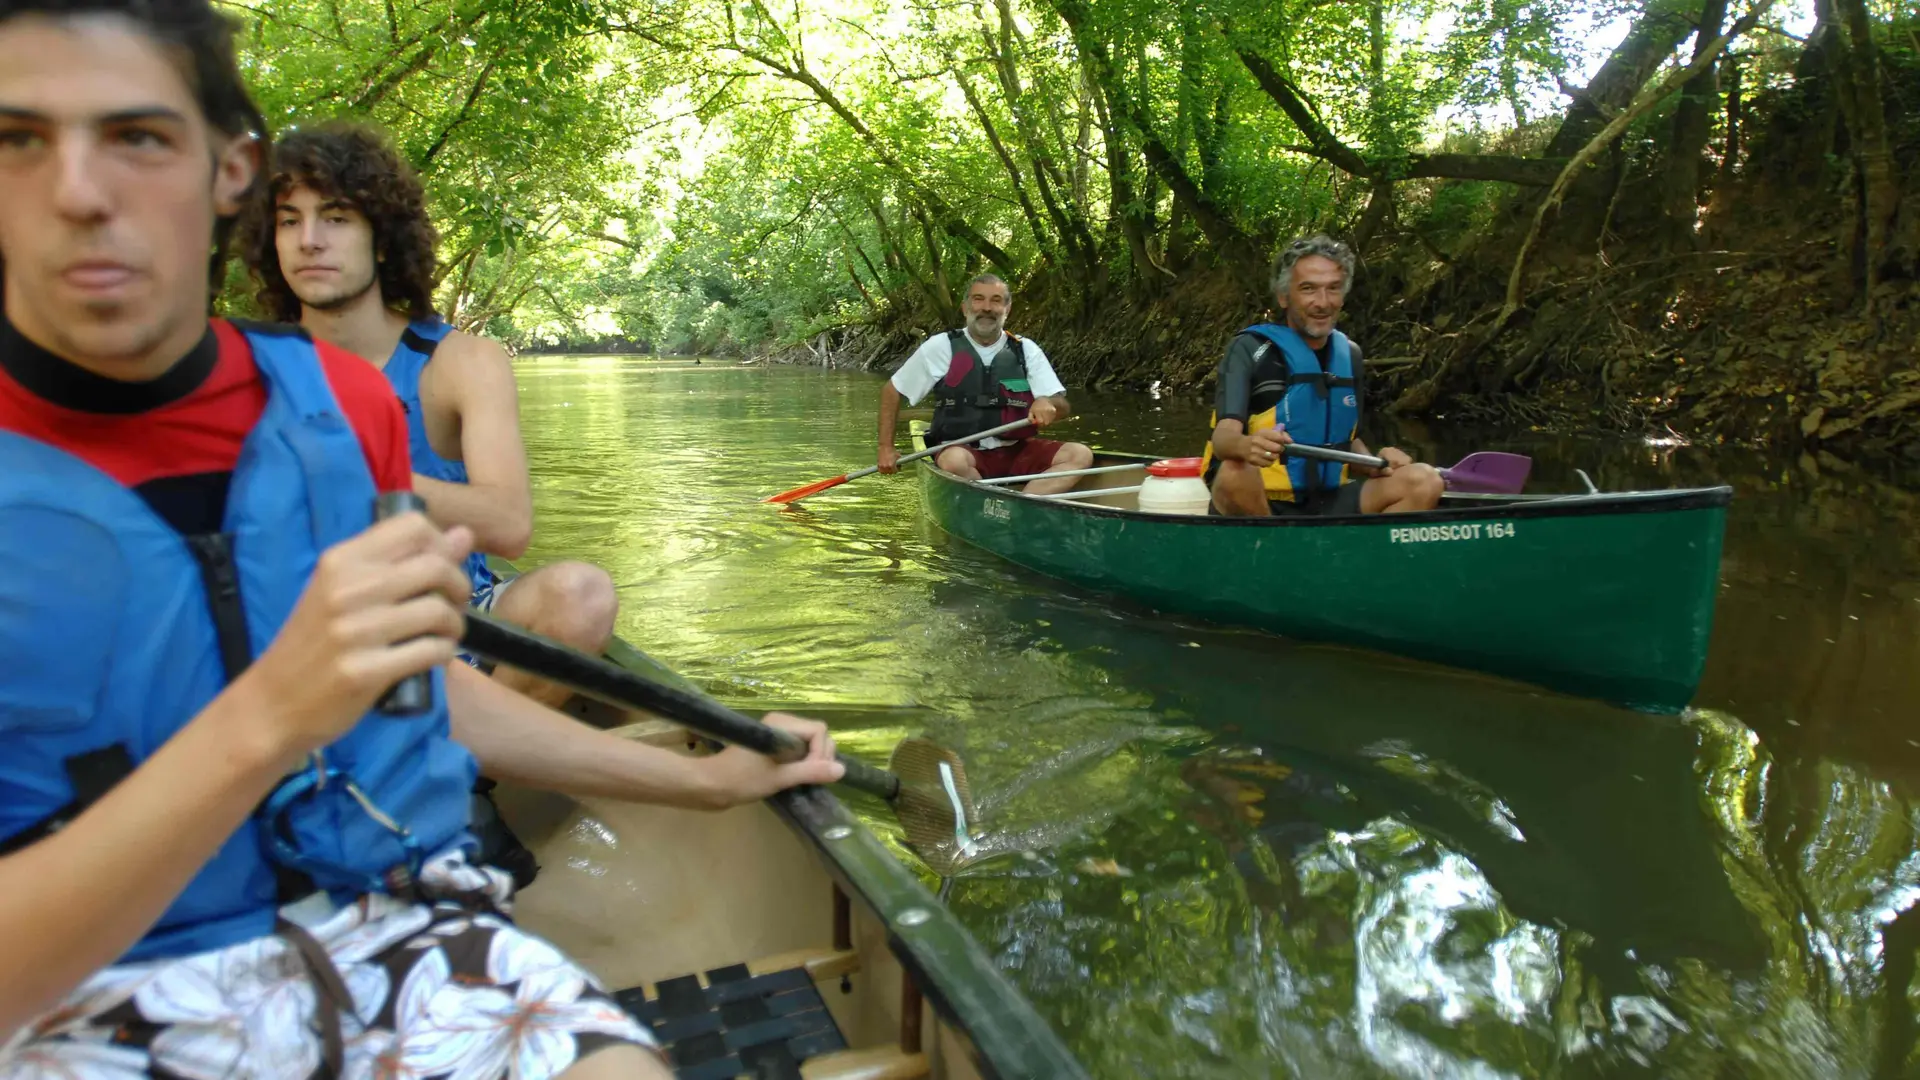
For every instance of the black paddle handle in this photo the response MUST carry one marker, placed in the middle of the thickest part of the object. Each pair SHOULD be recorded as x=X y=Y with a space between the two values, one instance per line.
x=413 y=695
x=507 y=644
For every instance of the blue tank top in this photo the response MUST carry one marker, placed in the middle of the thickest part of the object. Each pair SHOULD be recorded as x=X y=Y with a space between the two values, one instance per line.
x=409 y=359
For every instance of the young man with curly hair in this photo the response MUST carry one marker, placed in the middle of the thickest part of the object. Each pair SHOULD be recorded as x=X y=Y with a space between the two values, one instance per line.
x=218 y=857
x=343 y=246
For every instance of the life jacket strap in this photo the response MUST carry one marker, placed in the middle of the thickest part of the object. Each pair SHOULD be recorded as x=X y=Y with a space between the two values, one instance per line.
x=92 y=775
x=214 y=553
x=982 y=401
x=334 y=997
x=413 y=339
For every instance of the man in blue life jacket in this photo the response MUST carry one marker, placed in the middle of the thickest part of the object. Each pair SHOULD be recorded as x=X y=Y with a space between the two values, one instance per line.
x=344 y=248
x=217 y=857
x=1303 y=382
x=982 y=377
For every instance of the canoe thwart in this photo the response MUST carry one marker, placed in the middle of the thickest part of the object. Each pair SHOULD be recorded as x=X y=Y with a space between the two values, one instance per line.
x=878 y=1063
x=1095 y=471
x=1089 y=493
x=820 y=964
x=729 y=1021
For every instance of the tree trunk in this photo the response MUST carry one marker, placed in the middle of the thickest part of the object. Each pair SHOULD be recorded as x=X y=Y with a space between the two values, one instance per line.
x=1730 y=147
x=1123 y=206
x=1380 y=140
x=1141 y=98
x=942 y=288
x=1041 y=236
x=1379 y=211
x=1068 y=217
x=1692 y=124
x=1083 y=143
x=896 y=258
x=1653 y=38
x=1227 y=239
x=1872 y=149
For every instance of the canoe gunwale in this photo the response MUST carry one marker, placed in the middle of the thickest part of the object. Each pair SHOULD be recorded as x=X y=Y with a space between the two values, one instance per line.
x=1574 y=504
x=1011 y=1041
x=951 y=969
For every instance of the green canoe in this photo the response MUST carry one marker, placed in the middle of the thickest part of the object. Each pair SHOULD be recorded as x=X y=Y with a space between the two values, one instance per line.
x=1605 y=595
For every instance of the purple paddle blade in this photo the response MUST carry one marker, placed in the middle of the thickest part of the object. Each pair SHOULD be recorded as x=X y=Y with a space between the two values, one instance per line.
x=1489 y=472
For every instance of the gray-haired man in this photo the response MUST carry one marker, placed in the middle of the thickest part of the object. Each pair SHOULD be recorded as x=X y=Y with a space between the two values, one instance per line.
x=1303 y=382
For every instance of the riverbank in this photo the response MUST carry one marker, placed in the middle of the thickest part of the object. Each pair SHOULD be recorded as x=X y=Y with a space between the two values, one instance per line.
x=1753 y=348
x=1758 y=324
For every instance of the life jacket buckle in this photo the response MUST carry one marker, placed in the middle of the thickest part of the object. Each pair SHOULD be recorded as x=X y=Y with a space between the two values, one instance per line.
x=399 y=880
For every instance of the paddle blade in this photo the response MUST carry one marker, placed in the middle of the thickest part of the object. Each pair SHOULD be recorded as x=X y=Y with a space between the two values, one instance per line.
x=1490 y=472
x=935 y=805
x=799 y=493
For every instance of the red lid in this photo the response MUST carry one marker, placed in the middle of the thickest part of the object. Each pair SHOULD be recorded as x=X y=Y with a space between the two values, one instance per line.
x=1176 y=466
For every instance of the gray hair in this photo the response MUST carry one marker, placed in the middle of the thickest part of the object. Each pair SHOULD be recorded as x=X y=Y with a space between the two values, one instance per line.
x=1318 y=244
x=990 y=279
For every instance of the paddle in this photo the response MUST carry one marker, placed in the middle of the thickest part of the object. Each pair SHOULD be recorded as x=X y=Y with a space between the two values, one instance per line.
x=819 y=486
x=927 y=785
x=1488 y=471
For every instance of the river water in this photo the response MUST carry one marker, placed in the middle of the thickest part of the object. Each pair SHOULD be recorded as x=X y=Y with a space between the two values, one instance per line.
x=1233 y=855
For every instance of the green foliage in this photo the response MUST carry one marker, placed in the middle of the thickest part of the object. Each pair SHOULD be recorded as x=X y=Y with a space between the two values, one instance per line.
x=711 y=174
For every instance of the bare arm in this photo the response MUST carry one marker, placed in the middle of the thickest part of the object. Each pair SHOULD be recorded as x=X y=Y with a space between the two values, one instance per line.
x=1049 y=410
x=519 y=740
x=496 y=502
x=889 y=413
x=75 y=901
x=1230 y=441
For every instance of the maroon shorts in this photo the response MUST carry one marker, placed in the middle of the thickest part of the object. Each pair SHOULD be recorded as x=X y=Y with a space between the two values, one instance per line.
x=1019 y=459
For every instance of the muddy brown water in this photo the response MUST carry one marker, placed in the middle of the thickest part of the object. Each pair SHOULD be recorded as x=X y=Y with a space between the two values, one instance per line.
x=1225 y=854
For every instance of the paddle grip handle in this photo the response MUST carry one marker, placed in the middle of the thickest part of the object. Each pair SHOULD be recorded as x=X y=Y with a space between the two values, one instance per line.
x=413 y=695
x=595 y=677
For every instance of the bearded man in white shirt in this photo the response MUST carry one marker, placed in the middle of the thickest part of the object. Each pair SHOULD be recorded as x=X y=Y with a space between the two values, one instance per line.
x=982 y=377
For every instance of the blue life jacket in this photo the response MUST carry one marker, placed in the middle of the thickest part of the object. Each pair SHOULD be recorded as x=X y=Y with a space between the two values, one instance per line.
x=1319 y=408
x=403 y=369
x=116 y=631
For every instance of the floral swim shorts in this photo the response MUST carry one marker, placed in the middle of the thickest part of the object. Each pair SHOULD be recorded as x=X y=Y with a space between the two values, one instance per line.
x=432 y=989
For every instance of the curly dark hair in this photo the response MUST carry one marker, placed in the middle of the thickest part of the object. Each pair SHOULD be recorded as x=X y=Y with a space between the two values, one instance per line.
x=200 y=41
x=356 y=163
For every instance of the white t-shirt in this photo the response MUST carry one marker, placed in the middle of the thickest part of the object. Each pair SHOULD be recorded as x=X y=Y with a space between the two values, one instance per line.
x=929 y=363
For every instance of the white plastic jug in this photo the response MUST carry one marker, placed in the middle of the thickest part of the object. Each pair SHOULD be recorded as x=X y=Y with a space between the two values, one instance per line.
x=1173 y=486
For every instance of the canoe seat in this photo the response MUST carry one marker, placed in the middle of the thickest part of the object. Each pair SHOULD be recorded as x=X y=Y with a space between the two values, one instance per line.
x=732 y=1022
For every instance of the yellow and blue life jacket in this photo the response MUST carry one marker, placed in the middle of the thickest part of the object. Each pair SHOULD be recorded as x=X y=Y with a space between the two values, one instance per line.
x=1319 y=407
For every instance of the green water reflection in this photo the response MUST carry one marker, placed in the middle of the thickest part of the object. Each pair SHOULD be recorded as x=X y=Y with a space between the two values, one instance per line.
x=1223 y=854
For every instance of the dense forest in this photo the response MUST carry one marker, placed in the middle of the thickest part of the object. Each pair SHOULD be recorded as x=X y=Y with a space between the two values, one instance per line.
x=1696 y=215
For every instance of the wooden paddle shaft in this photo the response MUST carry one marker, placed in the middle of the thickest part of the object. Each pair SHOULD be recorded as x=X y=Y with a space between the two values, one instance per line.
x=507 y=644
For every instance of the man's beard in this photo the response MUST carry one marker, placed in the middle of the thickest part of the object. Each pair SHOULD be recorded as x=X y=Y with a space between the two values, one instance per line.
x=335 y=303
